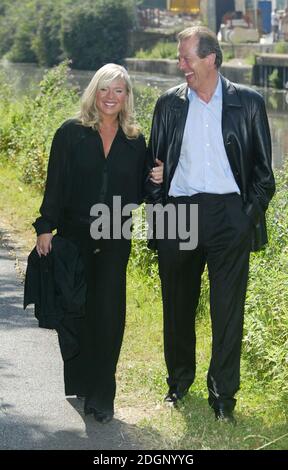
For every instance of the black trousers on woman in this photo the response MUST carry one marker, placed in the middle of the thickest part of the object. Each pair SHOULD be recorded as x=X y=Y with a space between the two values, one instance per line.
x=224 y=244
x=92 y=372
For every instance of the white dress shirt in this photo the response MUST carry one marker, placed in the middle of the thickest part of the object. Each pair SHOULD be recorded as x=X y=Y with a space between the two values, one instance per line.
x=203 y=165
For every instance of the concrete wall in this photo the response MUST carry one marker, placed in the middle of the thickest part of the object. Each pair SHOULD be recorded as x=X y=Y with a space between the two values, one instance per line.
x=241 y=51
x=238 y=73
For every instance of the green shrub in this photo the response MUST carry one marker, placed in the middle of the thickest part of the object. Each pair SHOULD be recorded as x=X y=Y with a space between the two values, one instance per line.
x=29 y=132
x=145 y=99
x=274 y=79
x=7 y=113
x=94 y=34
x=266 y=322
x=281 y=47
x=46 y=43
x=23 y=18
x=162 y=50
x=90 y=32
x=7 y=32
x=228 y=55
x=55 y=103
x=22 y=51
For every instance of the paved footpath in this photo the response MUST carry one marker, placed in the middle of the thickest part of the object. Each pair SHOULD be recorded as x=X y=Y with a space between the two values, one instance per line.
x=34 y=413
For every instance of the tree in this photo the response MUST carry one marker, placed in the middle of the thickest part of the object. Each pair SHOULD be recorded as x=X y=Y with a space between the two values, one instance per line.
x=21 y=50
x=23 y=17
x=90 y=32
x=96 y=33
x=7 y=33
x=46 y=44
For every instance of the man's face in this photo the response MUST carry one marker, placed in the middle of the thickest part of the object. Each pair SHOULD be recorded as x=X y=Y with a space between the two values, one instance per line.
x=196 y=70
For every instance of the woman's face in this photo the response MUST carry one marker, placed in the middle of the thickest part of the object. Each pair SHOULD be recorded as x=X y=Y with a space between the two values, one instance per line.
x=110 y=100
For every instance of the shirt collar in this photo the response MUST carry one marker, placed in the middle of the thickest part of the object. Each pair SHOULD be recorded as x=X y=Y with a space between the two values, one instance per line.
x=217 y=93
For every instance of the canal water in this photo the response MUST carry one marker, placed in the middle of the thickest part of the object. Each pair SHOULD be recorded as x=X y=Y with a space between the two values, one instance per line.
x=26 y=76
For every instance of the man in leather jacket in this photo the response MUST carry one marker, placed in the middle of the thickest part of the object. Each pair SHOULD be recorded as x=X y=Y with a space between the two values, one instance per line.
x=213 y=137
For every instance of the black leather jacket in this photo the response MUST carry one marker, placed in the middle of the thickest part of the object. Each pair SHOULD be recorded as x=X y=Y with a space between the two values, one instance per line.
x=247 y=142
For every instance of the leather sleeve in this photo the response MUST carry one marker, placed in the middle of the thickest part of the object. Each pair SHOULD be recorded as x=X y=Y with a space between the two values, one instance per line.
x=53 y=200
x=156 y=149
x=263 y=184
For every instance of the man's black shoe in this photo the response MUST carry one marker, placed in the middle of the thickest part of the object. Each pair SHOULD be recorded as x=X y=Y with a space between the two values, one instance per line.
x=174 y=395
x=223 y=415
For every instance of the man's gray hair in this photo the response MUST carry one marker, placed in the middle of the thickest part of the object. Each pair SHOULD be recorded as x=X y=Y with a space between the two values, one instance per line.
x=207 y=42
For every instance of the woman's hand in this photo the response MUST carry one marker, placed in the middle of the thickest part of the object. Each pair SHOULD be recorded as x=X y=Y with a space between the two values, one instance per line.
x=43 y=244
x=156 y=174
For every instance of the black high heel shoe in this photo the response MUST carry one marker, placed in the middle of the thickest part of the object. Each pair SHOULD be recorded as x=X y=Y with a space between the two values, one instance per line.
x=100 y=416
x=103 y=416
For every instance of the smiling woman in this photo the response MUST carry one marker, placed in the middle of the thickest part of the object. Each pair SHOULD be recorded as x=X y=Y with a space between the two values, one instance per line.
x=96 y=156
x=110 y=100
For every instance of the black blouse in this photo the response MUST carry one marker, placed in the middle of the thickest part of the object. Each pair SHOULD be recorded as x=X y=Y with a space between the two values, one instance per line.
x=80 y=176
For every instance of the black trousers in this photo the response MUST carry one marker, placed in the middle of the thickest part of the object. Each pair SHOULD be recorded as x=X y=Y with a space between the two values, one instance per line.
x=224 y=244
x=92 y=372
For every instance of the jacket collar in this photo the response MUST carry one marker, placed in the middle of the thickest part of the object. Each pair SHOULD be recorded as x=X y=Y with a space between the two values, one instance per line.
x=180 y=102
x=230 y=95
x=182 y=92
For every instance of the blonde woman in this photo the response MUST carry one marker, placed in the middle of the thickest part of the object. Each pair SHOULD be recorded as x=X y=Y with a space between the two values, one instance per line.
x=97 y=155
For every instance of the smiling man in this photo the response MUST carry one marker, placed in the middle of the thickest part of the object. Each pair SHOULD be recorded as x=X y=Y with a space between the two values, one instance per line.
x=213 y=137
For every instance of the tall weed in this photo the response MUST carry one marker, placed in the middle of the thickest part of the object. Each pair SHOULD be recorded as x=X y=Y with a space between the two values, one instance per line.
x=266 y=322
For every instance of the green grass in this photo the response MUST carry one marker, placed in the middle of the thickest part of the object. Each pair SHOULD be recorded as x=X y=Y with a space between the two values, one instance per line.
x=141 y=376
x=19 y=203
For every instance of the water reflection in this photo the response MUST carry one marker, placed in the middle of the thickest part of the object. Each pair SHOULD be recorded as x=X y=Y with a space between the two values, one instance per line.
x=277 y=106
x=26 y=76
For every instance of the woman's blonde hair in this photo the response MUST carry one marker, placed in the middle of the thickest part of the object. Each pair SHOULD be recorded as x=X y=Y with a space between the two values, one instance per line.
x=89 y=114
